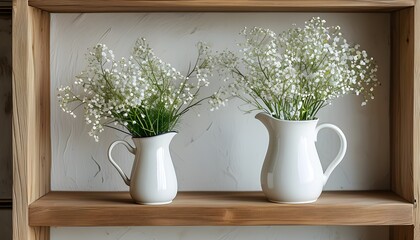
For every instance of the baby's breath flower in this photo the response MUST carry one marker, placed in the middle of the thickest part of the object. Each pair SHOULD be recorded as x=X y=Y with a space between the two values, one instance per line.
x=142 y=94
x=294 y=74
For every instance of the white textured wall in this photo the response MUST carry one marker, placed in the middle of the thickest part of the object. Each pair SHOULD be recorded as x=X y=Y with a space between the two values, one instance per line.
x=220 y=150
x=221 y=233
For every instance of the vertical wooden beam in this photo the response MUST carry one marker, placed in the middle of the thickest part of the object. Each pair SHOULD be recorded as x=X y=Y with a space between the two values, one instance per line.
x=31 y=121
x=405 y=114
x=402 y=103
x=31 y=115
x=416 y=121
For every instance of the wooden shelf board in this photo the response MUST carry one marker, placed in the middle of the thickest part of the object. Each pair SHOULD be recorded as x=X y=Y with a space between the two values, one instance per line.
x=219 y=5
x=219 y=209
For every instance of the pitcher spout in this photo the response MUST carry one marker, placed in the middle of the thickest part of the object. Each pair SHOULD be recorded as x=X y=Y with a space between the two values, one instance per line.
x=169 y=136
x=265 y=119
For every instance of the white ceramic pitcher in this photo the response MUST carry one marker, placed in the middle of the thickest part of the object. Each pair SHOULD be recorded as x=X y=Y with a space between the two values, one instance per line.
x=292 y=171
x=153 y=179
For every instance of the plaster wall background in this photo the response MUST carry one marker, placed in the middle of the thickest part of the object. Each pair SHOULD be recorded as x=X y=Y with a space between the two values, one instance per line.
x=220 y=150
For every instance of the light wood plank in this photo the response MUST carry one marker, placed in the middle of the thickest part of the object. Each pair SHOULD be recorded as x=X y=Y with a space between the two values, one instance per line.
x=405 y=114
x=218 y=209
x=219 y=5
x=416 y=121
x=31 y=124
x=402 y=100
x=31 y=120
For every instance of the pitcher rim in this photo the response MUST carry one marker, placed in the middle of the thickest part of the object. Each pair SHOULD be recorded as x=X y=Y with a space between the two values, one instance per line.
x=289 y=121
x=161 y=134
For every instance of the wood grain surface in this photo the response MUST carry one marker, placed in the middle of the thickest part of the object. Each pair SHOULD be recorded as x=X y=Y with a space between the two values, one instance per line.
x=402 y=100
x=31 y=145
x=219 y=209
x=405 y=114
x=416 y=119
x=31 y=120
x=218 y=5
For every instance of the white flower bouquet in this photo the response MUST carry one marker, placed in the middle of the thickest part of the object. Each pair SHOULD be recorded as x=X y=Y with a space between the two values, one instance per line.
x=292 y=75
x=142 y=94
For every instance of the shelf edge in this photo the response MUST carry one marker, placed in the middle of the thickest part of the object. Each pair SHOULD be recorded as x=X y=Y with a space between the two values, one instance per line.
x=66 y=6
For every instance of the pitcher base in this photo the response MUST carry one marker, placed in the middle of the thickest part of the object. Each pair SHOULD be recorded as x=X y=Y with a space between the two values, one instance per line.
x=154 y=203
x=303 y=202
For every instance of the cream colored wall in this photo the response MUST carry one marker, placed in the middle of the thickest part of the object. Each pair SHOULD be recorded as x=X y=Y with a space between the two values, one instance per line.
x=221 y=233
x=220 y=150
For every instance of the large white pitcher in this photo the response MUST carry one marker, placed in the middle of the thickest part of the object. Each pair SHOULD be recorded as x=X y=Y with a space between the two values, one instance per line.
x=292 y=171
x=153 y=179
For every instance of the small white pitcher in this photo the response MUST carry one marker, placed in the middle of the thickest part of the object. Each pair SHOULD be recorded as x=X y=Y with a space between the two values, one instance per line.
x=153 y=179
x=292 y=171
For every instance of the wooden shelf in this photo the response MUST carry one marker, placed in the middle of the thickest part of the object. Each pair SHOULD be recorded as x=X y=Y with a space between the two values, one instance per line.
x=32 y=137
x=219 y=5
x=219 y=209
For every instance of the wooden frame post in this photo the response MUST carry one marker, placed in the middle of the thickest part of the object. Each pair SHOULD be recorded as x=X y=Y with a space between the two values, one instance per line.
x=31 y=115
x=405 y=114
x=31 y=91
x=416 y=121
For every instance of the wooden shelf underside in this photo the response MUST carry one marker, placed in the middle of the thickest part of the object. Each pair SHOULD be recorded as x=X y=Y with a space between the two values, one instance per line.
x=220 y=5
x=219 y=209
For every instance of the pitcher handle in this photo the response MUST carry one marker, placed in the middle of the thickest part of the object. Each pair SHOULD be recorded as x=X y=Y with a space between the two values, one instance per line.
x=343 y=148
x=120 y=171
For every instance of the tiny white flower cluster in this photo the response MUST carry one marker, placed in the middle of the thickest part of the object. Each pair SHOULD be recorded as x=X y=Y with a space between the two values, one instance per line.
x=294 y=74
x=142 y=93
